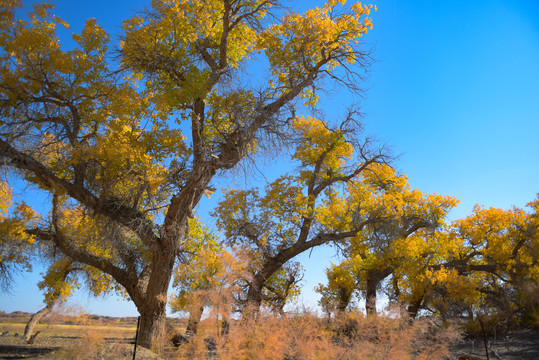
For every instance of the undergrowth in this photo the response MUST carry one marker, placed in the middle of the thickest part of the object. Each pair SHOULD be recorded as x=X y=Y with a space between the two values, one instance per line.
x=293 y=336
x=306 y=336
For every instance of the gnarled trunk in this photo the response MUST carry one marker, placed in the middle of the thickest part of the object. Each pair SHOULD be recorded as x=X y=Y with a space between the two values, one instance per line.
x=374 y=278
x=254 y=294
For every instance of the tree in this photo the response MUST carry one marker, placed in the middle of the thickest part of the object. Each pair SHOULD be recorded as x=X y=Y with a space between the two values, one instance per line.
x=107 y=143
x=502 y=251
x=484 y=263
x=214 y=278
x=206 y=277
x=282 y=287
x=18 y=248
x=62 y=278
x=57 y=286
x=383 y=246
x=305 y=210
x=425 y=269
x=337 y=294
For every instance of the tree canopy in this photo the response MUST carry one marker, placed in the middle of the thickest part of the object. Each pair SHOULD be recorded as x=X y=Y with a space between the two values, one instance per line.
x=127 y=148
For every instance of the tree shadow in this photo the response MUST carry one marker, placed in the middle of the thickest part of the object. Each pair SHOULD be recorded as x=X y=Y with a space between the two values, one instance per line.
x=23 y=352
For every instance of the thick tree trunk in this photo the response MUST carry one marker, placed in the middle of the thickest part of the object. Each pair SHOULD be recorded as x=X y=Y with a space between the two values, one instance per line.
x=152 y=306
x=34 y=320
x=254 y=294
x=152 y=329
x=374 y=278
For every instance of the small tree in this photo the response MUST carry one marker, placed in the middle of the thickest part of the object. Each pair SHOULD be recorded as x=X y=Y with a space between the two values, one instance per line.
x=301 y=211
x=381 y=248
x=57 y=286
x=206 y=277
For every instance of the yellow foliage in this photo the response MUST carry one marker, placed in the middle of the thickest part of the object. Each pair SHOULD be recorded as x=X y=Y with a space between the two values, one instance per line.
x=318 y=141
x=302 y=42
x=5 y=198
x=16 y=245
x=506 y=238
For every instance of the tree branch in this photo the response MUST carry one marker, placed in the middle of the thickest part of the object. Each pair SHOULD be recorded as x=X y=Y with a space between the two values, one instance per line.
x=107 y=206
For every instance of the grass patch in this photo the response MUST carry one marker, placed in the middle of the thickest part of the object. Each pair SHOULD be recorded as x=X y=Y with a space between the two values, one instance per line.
x=70 y=331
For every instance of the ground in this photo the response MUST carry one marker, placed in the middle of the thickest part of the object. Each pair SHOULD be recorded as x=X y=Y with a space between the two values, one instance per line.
x=94 y=337
x=71 y=342
x=72 y=337
x=521 y=345
x=64 y=347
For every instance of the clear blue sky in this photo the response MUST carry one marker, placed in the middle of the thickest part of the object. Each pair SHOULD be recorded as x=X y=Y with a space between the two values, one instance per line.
x=454 y=90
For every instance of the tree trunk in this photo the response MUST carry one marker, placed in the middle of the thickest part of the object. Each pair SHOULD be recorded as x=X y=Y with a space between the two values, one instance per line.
x=370 y=298
x=270 y=266
x=152 y=306
x=344 y=299
x=152 y=329
x=34 y=320
x=254 y=294
x=414 y=306
x=194 y=319
x=374 y=278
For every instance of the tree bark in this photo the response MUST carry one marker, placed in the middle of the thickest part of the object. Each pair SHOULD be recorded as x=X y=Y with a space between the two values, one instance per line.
x=374 y=278
x=370 y=298
x=194 y=319
x=254 y=294
x=153 y=303
x=414 y=306
x=34 y=320
x=152 y=328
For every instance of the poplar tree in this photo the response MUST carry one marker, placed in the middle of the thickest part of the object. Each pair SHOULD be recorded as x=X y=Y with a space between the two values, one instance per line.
x=126 y=145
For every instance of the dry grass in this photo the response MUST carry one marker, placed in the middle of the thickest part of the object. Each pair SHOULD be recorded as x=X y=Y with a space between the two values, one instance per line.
x=72 y=331
x=61 y=341
x=299 y=336
x=96 y=345
x=305 y=336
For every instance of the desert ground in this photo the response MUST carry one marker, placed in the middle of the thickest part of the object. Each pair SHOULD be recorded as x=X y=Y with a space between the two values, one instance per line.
x=72 y=337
